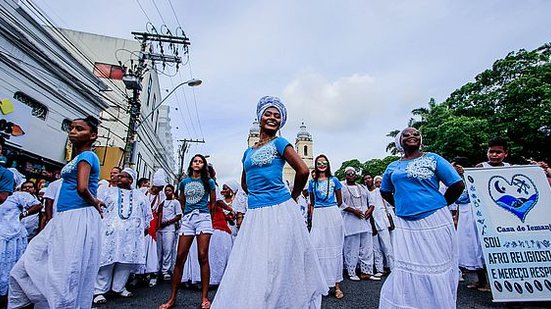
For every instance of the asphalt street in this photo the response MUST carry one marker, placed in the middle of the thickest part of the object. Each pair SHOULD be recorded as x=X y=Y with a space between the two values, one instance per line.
x=363 y=294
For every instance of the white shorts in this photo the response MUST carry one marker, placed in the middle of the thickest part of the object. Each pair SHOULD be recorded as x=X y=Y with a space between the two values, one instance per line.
x=195 y=223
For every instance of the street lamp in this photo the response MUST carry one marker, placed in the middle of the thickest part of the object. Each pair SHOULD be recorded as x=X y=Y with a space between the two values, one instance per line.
x=192 y=83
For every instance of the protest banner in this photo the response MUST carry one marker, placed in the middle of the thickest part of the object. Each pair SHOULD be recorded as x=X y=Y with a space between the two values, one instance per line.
x=512 y=209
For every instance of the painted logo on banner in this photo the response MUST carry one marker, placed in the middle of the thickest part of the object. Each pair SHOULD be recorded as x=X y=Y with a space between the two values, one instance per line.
x=517 y=195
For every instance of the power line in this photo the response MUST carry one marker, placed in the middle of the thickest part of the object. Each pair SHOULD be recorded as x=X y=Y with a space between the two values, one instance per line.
x=143 y=11
x=160 y=15
x=195 y=103
x=175 y=15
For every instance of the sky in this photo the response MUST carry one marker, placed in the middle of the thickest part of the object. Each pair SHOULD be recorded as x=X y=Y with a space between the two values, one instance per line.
x=352 y=70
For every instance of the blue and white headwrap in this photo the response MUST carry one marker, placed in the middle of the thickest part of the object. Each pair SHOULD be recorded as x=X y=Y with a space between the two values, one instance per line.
x=268 y=101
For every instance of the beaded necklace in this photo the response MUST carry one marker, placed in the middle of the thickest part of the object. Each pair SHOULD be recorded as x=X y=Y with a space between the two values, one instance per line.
x=121 y=204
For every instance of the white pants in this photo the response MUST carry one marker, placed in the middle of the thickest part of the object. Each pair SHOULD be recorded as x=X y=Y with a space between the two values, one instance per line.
x=358 y=247
x=382 y=248
x=113 y=277
x=166 y=245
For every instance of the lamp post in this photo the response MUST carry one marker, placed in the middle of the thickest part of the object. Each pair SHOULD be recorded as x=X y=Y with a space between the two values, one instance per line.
x=192 y=83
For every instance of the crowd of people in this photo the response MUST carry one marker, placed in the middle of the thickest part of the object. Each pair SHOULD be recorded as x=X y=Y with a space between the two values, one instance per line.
x=80 y=239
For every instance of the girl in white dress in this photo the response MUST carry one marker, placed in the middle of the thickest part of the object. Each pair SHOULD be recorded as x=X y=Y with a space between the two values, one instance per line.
x=327 y=231
x=273 y=263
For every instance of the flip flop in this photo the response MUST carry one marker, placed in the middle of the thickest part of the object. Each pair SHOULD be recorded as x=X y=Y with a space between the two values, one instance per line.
x=339 y=294
x=205 y=304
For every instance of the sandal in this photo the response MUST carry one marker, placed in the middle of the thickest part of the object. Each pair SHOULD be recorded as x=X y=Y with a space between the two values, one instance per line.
x=125 y=293
x=205 y=304
x=99 y=299
x=339 y=294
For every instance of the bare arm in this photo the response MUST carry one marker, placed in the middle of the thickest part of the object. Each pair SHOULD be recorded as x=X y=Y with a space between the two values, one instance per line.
x=454 y=192
x=49 y=204
x=83 y=173
x=212 y=199
x=244 y=182
x=301 y=175
x=4 y=196
x=31 y=211
x=389 y=197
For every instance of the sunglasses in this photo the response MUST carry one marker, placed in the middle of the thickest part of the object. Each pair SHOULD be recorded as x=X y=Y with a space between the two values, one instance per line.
x=350 y=174
x=321 y=163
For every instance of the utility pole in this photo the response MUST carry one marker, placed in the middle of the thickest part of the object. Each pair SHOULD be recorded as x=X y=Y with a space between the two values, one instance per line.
x=183 y=150
x=133 y=79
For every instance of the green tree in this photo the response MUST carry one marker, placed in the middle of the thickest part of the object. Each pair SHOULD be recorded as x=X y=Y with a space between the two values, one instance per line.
x=372 y=167
x=512 y=100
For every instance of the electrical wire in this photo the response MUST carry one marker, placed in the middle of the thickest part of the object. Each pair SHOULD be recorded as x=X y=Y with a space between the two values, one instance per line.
x=195 y=103
x=143 y=11
x=159 y=12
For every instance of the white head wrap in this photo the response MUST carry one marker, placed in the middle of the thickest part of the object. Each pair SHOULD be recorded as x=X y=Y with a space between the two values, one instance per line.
x=349 y=168
x=159 y=178
x=398 y=140
x=133 y=175
x=377 y=178
x=18 y=178
x=233 y=185
x=266 y=102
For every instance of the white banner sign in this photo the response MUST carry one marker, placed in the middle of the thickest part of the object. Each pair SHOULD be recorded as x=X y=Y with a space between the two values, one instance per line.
x=512 y=207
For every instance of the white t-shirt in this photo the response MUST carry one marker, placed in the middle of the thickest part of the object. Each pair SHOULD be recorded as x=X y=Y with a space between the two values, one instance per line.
x=171 y=209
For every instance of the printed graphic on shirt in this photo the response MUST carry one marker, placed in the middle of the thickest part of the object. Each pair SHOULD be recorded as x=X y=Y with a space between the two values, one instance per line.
x=69 y=167
x=422 y=168
x=264 y=155
x=194 y=192
x=322 y=190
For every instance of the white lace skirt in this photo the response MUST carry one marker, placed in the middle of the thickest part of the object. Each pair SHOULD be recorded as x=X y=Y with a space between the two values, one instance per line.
x=470 y=250
x=60 y=265
x=425 y=264
x=273 y=263
x=220 y=247
x=327 y=235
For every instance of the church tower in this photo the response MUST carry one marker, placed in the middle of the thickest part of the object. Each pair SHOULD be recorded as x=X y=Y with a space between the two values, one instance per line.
x=254 y=133
x=304 y=145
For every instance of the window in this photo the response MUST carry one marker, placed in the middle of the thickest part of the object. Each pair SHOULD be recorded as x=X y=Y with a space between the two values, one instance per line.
x=39 y=110
x=305 y=150
x=66 y=125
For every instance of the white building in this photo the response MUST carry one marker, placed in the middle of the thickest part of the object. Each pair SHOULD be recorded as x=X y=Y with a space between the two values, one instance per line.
x=154 y=143
x=42 y=88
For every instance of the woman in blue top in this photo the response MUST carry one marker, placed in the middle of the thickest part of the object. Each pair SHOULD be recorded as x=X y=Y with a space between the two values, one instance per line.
x=197 y=196
x=273 y=263
x=59 y=267
x=327 y=231
x=425 y=244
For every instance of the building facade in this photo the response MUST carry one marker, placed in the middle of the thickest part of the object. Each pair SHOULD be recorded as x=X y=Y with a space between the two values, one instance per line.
x=154 y=146
x=42 y=88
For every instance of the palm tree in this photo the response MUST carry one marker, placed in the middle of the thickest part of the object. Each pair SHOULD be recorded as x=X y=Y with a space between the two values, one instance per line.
x=391 y=147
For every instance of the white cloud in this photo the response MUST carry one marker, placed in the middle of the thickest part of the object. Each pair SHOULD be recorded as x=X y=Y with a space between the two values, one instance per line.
x=344 y=104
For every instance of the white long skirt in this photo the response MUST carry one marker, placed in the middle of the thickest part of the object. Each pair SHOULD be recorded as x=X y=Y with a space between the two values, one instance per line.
x=470 y=250
x=327 y=235
x=151 y=265
x=220 y=247
x=425 y=264
x=60 y=265
x=273 y=263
